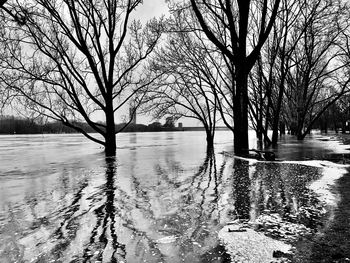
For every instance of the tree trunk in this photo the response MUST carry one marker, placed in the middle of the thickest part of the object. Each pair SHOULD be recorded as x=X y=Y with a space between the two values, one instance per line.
x=110 y=141
x=324 y=126
x=210 y=141
x=259 y=128
x=300 y=136
x=275 y=131
x=276 y=117
x=282 y=128
x=241 y=144
x=259 y=137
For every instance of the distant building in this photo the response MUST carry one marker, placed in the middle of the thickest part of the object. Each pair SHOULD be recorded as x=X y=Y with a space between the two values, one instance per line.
x=132 y=115
x=169 y=122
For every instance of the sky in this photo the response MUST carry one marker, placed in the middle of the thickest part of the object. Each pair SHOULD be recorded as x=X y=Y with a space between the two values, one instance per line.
x=150 y=9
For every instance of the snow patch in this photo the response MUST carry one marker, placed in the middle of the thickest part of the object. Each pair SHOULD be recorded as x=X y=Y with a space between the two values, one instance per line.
x=251 y=246
x=323 y=185
x=331 y=172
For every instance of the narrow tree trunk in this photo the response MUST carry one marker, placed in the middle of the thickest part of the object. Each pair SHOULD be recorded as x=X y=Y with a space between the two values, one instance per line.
x=282 y=128
x=260 y=134
x=259 y=129
x=324 y=128
x=276 y=117
x=275 y=131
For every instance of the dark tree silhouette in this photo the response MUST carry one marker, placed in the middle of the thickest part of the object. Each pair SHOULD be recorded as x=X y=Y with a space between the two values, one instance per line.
x=226 y=24
x=71 y=59
x=192 y=71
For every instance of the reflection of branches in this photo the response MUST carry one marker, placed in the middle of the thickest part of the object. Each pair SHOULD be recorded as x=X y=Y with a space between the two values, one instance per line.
x=72 y=209
x=106 y=218
x=110 y=210
x=68 y=223
x=113 y=202
x=212 y=172
x=106 y=215
x=196 y=189
x=202 y=191
x=281 y=189
x=241 y=186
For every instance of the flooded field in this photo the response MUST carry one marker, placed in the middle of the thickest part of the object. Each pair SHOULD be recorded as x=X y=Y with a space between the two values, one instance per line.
x=162 y=199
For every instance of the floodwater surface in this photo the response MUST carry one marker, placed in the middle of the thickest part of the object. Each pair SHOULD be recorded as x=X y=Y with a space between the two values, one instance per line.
x=162 y=199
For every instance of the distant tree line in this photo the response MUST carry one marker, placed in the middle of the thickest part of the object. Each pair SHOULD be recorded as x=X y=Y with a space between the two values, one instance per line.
x=14 y=125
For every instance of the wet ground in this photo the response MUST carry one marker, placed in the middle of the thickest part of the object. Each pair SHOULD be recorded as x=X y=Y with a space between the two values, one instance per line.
x=332 y=241
x=163 y=199
x=326 y=213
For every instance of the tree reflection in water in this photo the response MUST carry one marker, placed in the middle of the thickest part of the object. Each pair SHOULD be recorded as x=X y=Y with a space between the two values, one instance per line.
x=184 y=210
x=241 y=188
x=263 y=188
x=171 y=213
x=106 y=220
x=172 y=220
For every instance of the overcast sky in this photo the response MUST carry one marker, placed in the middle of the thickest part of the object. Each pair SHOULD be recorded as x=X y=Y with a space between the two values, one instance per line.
x=151 y=8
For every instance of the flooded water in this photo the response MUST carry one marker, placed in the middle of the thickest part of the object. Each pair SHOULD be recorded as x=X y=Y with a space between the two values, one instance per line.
x=162 y=199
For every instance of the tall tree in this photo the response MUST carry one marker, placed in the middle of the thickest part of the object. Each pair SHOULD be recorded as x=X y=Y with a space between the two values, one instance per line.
x=74 y=58
x=192 y=70
x=267 y=80
x=226 y=24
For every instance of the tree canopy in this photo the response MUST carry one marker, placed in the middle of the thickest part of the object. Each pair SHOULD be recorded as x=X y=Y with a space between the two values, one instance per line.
x=71 y=59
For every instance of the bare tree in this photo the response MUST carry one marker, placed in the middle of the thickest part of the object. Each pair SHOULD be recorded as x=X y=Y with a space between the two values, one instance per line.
x=192 y=69
x=226 y=24
x=302 y=68
x=71 y=59
x=267 y=80
x=318 y=75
